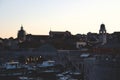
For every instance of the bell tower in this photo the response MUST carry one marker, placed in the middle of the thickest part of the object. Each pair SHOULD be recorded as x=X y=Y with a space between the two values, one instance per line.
x=102 y=34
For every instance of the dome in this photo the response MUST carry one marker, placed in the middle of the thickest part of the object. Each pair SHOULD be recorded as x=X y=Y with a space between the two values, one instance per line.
x=102 y=27
x=21 y=34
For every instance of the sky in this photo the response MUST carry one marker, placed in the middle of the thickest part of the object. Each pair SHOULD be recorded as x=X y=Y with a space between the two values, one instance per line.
x=38 y=17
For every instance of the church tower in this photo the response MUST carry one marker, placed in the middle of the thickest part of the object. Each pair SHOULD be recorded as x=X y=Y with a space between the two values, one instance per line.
x=21 y=35
x=102 y=34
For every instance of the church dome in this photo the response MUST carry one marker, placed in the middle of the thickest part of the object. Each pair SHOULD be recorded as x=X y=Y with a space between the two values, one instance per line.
x=21 y=34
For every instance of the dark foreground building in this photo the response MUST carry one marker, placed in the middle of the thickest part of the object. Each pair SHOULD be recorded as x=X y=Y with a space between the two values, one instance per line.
x=105 y=62
x=105 y=67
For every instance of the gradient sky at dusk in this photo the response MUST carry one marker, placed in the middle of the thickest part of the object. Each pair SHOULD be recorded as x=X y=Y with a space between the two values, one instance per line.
x=76 y=16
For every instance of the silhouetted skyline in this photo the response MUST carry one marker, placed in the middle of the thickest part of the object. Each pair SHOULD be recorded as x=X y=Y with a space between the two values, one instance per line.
x=39 y=16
